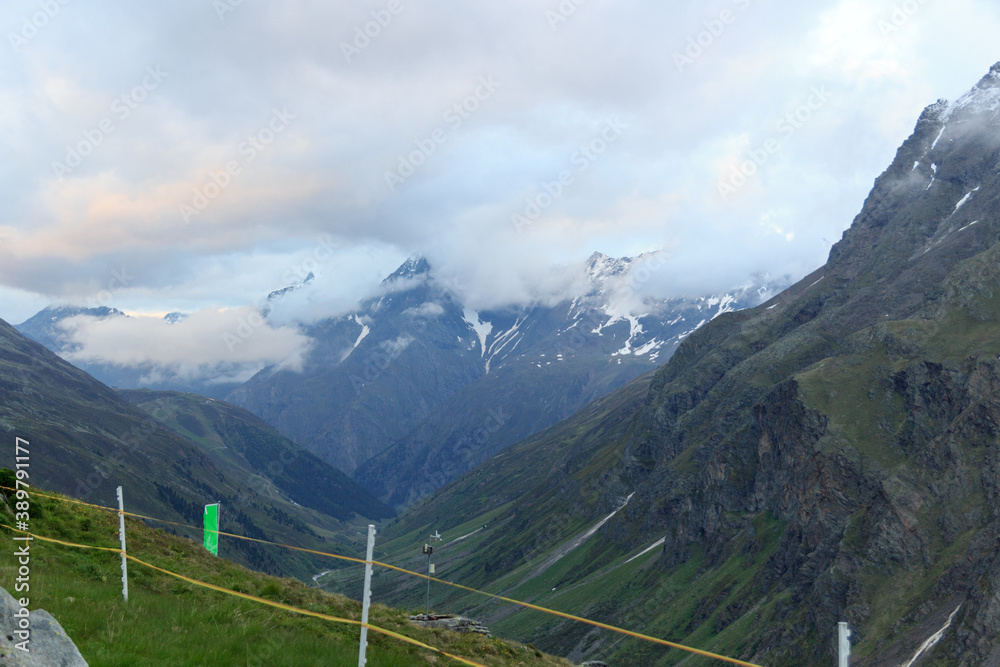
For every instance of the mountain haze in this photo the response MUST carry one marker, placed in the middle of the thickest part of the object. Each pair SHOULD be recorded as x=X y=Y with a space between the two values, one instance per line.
x=236 y=434
x=830 y=455
x=415 y=388
x=85 y=440
x=48 y=328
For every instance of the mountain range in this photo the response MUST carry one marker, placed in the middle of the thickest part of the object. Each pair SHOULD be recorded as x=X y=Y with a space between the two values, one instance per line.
x=739 y=472
x=415 y=388
x=48 y=328
x=832 y=454
x=86 y=439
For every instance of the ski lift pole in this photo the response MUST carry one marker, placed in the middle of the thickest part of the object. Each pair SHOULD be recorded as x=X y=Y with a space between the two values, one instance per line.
x=428 y=549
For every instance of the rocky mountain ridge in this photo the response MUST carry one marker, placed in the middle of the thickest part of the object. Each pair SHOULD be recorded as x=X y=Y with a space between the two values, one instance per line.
x=829 y=455
x=416 y=388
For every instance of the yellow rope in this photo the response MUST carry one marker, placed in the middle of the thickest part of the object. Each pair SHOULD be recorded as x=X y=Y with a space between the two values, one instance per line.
x=253 y=598
x=527 y=605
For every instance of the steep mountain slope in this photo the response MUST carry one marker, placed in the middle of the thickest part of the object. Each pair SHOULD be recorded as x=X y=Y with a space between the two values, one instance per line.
x=833 y=454
x=238 y=436
x=85 y=441
x=429 y=387
x=365 y=386
x=542 y=366
x=43 y=327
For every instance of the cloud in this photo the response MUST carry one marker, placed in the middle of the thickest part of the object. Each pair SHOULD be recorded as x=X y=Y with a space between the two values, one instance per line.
x=428 y=309
x=353 y=119
x=393 y=348
x=208 y=345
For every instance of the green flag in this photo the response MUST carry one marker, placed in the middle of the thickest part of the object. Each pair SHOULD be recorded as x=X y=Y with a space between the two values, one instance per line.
x=212 y=528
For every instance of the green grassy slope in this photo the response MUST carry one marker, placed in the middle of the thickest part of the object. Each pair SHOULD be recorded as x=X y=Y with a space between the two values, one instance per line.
x=833 y=454
x=86 y=441
x=170 y=622
x=503 y=523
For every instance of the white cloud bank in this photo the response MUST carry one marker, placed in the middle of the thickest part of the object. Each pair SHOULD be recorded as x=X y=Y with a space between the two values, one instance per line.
x=209 y=345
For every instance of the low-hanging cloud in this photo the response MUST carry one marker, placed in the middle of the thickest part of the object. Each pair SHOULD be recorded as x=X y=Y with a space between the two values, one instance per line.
x=426 y=309
x=350 y=120
x=209 y=345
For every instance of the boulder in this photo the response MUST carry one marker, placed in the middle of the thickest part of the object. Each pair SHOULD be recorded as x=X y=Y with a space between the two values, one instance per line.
x=49 y=645
x=449 y=622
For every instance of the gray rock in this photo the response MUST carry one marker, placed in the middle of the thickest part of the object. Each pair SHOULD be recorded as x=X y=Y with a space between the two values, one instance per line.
x=49 y=644
x=448 y=622
x=594 y=663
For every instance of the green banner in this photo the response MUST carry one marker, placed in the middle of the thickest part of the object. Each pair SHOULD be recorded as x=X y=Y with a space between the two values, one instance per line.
x=212 y=528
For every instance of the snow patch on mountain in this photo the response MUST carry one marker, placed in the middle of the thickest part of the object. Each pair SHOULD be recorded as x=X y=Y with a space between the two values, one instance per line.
x=726 y=304
x=575 y=542
x=635 y=329
x=982 y=99
x=413 y=268
x=965 y=198
x=936 y=140
x=482 y=329
x=976 y=101
x=645 y=551
x=684 y=335
x=365 y=330
x=503 y=339
x=968 y=225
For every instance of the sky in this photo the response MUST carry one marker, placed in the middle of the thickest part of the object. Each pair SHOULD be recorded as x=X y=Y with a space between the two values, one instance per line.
x=193 y=156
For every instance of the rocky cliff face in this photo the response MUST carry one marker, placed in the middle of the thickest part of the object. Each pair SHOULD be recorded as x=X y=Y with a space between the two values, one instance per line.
x=415 y=389
x=860 y=407
x=832 y=454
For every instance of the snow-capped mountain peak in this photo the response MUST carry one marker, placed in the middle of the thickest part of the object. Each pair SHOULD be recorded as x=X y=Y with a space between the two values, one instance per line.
x=276 y=295
x=983 y=98
x=600 y=267
x=412 y=268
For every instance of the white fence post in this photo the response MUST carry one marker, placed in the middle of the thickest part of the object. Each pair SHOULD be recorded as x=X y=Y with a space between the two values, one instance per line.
x=367 y=598
x=844 y=644
x=121 y=535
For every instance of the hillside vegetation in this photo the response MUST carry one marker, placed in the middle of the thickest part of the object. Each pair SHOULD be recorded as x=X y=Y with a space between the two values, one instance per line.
x=830 y=455
x=171 y=622
x=85 y=440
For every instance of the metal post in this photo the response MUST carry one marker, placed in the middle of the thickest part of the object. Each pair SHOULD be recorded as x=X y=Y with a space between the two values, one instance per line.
x=121 y=534
x=427 y=609
x=428 y=549
x=844 y=644
x=366 y=599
